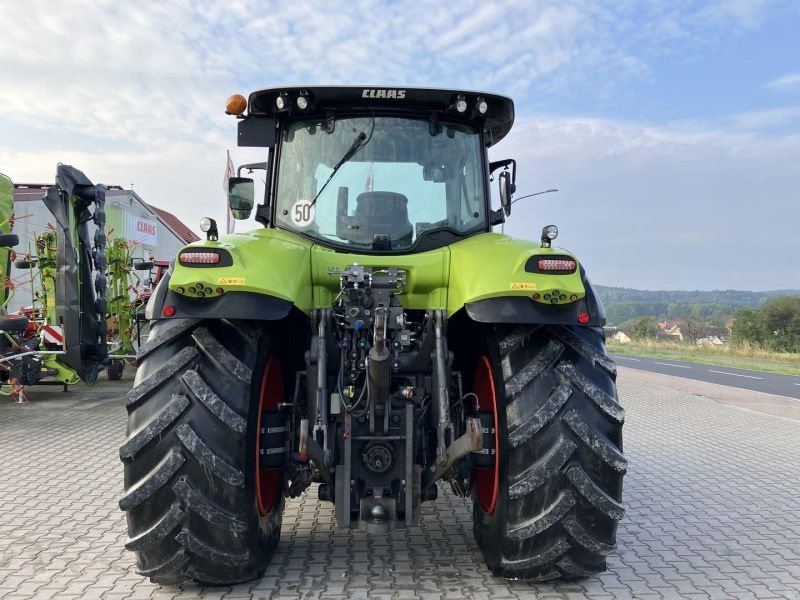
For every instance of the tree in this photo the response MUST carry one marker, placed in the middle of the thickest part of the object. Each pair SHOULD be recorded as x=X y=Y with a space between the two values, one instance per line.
x=747 y=327
x=694 y=329
x=644 y=328
x=775 y=326
x=781 y=324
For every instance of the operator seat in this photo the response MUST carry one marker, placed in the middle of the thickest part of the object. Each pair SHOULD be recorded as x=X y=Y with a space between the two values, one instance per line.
x=382 y=213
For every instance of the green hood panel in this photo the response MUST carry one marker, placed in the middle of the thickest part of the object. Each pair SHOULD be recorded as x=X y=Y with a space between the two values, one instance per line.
x=280 y=264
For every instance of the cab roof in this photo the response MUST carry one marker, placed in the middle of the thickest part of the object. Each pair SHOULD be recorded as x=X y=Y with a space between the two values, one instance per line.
x=435 y=103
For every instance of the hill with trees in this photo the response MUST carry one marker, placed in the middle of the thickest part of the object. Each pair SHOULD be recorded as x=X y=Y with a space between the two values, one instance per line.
x=714 y=307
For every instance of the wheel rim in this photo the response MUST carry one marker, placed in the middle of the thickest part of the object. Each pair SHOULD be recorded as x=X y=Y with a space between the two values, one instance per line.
x=268 y=481
x=486 y=480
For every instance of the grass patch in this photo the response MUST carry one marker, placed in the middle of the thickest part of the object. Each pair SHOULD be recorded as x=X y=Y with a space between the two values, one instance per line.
x=745 y=357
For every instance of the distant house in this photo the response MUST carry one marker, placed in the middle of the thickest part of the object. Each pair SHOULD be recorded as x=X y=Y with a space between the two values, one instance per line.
x=711 y=340
x=621 y=337
x=669 y=332
x=674 y=331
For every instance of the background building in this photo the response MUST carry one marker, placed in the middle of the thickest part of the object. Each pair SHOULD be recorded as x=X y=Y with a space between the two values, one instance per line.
x=154 y=231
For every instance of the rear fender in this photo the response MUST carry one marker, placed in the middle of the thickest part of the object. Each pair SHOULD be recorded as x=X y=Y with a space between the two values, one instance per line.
x=258 y=275
x=498 y=279
x=231 y=305
x=522 y=310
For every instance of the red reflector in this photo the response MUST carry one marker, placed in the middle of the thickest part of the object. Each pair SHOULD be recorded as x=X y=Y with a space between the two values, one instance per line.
x=204 y=258
x=556 y=264
x=583 y=318
x=168 y=310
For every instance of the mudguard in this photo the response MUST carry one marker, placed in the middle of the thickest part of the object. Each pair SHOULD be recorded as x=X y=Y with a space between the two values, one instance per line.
x=260 y=274
x=81 y=301
x=494 y=279
x=519 y=310
x=232 y=305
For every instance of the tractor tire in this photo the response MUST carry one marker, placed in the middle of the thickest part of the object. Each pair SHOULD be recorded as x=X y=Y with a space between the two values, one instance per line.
x=549 y=505
x=115 y=369
x=198 y=504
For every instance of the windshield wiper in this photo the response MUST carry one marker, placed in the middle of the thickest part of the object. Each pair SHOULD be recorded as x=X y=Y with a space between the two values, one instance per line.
x=358 y=143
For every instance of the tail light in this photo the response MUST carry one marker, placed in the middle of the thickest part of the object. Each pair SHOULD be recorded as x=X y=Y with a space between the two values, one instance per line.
x=202 y=257
x=557 y=264
x=551 y=264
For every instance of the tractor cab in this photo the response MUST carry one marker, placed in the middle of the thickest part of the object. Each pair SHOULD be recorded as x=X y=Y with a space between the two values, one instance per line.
x=373 y=170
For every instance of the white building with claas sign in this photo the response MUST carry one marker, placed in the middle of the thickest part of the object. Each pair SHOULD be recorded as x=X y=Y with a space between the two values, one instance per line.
x=152 y=231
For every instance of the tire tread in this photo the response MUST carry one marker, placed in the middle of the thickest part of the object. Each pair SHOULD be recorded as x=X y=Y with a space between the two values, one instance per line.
x=197 y=503
x=178 y=403
x=158 y=532
x=160 y=377
x=202 y=392
x=153 y=481
x=206 y=456
x=565 y=464
x=190 y=508
x=215 y=351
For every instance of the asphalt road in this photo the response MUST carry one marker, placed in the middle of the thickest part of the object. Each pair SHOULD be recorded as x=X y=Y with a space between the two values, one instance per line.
x=758 y=381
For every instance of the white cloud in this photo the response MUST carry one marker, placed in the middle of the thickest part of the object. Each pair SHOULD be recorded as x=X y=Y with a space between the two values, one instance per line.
x=790 y=81
x=786 y=117
x=743 y=13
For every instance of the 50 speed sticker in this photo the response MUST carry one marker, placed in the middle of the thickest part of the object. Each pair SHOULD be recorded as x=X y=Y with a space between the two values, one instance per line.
x=302 y=214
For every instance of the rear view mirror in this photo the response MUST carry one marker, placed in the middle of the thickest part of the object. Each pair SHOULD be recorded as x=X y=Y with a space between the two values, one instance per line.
x=507 y=180
x=241 y=197
x=143 y=265
x=507 y=189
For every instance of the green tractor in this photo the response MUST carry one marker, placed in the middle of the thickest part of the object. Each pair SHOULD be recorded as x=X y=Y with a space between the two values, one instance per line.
x=375 y=337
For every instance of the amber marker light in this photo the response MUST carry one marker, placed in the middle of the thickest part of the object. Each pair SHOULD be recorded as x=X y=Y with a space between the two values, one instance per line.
x=235 y=105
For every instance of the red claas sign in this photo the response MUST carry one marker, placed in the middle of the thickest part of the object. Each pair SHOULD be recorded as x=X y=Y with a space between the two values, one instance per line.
x=142 y=230
x=145 y=228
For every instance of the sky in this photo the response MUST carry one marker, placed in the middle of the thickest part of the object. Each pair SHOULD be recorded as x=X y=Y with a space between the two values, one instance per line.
x=670 y=128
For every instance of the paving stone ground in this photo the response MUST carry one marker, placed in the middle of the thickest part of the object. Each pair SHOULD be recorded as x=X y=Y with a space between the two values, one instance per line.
x=712 y=496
